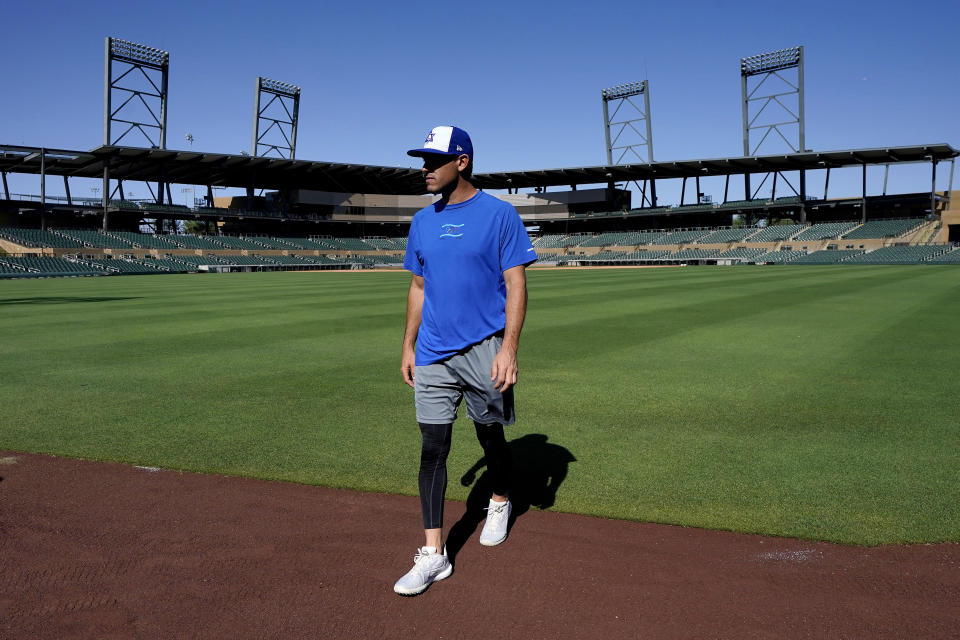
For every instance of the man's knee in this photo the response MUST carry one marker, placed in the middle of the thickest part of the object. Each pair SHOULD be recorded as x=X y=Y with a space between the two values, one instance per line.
x=436 y=441
x=490 y=436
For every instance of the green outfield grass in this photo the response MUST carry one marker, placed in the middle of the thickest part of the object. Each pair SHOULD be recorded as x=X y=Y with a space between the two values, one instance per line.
x=816 y=402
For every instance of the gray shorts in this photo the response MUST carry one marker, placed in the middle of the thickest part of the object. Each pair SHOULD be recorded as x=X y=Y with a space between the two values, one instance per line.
x=441 y=386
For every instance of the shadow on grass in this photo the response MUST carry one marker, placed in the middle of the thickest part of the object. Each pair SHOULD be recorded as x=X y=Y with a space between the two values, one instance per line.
x=63 y=300
x=539 y=468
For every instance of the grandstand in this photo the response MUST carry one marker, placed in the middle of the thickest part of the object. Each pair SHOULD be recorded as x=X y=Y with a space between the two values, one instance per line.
x=338 y=215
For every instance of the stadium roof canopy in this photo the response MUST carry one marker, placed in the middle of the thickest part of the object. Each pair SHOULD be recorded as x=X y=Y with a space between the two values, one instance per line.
x=216 y=169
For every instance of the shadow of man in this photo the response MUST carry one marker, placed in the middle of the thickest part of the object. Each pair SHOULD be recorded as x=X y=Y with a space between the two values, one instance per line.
x=539 y=468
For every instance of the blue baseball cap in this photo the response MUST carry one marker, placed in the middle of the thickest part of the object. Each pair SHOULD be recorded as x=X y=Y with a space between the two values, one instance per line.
x=445 y=140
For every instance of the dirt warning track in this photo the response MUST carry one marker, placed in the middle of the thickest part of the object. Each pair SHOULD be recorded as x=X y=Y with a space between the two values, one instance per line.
x=112 y=551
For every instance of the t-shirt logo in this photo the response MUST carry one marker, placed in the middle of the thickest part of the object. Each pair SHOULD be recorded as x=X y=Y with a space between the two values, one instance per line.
x=451 y=230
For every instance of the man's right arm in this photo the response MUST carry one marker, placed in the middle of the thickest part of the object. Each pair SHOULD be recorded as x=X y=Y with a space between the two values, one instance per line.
x=414 y=310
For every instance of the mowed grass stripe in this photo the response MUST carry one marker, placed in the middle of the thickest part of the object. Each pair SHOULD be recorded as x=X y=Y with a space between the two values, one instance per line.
x=800 y=401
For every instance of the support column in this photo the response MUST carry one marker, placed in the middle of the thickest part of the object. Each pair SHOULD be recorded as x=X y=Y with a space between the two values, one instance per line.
x=933 y=187
x=43 y=189
x=863 y=205
x=6 y=189
x=106 y=192
x=826 y=184
x=66 y=188
x=803 y=197
x=653 y=192
x=683 y=190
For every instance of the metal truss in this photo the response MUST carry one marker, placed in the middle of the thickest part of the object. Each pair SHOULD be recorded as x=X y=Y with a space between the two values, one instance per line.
x=126 y=66
x=771 y=95
x=628 y=136
x=283 y=131
x=784 y=113
x=136 y=62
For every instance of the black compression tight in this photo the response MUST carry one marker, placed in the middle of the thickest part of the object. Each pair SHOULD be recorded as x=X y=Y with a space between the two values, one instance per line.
x=433 y=465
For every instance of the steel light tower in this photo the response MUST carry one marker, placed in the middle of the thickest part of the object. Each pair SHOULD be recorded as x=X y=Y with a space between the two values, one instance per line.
x=137 y=62
x=772 y=105
x=136 y=75
x=628 y=136
x=287 y=97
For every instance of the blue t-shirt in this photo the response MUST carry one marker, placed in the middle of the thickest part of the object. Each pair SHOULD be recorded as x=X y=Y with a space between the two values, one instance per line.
x=462 y=250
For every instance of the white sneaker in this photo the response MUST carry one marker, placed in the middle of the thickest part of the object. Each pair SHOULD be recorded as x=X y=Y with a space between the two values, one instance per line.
x=428 y=567
x=495 y=528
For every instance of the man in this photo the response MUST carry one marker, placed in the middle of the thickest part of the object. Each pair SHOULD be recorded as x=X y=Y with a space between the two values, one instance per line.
x=465 y=309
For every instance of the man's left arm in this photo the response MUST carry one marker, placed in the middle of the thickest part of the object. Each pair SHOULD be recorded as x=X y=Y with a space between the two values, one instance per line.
x=504 y=370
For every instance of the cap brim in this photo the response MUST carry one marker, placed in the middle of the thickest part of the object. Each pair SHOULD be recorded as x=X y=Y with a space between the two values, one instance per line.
x=419 y=153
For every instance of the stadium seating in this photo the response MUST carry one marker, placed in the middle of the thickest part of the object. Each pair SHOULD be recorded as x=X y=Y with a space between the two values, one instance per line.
x=883 y=229
x=384 y=244
x=248 y=261
x=827 y=257
x=96 y=239
x=233 y=242
x=603 y=256
x=350 y=244
x=619 y=238
x=727 y=235
x=120 y=266
x=646 y=254
x=301 y=243
x=743 y=253
x=550 y=242
x=51 y=266
x=649 y=237
x=188 y=241
x=950 y=257
x=171 y=265
x=777 y=232
x=693 y=254
x=824 y=231
x=263 y=242
x=898 y=255
x=680 y=237
x=144 y=240
x=780 y=257
x=292 y=260
x=38 y=238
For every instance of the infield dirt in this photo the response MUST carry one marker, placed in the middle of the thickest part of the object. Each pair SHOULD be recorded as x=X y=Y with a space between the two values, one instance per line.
x=112 y=551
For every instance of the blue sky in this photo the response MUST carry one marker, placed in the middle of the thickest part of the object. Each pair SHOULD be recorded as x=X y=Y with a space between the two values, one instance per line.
x=523 y=78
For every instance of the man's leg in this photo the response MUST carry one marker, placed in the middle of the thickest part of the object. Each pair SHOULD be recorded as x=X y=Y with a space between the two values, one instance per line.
x=430 y=562
x=499 y=461
x=499 y=467
x=433 y=479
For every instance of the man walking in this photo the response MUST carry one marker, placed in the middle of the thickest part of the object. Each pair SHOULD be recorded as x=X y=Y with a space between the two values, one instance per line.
x=465 y=308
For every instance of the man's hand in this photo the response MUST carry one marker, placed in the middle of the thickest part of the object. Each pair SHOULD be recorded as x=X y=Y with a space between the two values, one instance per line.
x=503 y=374
x=407 y=363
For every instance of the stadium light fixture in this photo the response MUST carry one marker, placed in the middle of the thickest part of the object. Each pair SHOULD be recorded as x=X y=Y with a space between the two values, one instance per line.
x=138 y=53
x=284 y=88
x=771 y=61
x=624 y=90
